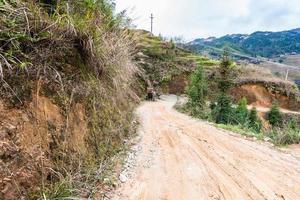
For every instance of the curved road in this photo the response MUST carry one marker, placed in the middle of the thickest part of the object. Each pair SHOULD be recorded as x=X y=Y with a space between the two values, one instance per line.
x=187 y=159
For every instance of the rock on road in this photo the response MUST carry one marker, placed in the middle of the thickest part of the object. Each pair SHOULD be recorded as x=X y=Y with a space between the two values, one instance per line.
x=187 y=159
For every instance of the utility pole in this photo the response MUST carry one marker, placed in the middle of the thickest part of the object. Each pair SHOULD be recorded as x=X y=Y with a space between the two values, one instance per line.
x=151 y=17
x=287 y=74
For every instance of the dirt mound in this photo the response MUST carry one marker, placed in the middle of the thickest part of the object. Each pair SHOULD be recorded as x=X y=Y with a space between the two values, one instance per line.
x=259 y=95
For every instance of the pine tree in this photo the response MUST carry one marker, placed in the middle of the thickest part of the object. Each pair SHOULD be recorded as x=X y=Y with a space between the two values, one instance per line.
x=254 y=122
x=197 y=90
x=225 y=81
x=223 y=112
x=275 y=116
x=242 y=112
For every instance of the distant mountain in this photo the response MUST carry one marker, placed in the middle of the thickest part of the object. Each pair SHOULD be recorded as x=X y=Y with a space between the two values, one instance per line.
x=265 y=44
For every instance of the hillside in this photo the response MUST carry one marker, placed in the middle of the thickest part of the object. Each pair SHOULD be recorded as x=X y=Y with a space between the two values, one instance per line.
x=265 y=44
x=72 y=75
x=164 y=64
x=169 y=67
x=66 y=98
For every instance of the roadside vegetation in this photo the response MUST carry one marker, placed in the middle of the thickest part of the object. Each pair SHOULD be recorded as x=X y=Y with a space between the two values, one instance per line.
x=221 y=109
x=66 y=67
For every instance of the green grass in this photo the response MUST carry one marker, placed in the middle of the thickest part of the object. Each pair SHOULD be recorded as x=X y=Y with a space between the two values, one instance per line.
x=241 y=130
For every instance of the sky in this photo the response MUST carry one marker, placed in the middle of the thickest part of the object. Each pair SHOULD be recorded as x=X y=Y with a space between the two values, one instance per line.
x=193 y=19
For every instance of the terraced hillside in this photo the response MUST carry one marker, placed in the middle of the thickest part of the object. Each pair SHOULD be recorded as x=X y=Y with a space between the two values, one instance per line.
x=166 y=65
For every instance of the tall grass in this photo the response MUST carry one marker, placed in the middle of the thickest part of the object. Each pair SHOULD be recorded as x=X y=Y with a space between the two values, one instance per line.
x=79 y=53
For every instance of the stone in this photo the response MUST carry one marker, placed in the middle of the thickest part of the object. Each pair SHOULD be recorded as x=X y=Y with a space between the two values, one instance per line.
x=123 y=178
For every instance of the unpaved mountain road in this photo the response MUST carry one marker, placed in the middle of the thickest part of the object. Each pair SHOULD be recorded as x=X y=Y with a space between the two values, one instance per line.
x=187 y=159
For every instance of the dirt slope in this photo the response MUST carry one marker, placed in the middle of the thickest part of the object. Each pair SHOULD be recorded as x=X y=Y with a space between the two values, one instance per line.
x=186 y=159
x=258 y=95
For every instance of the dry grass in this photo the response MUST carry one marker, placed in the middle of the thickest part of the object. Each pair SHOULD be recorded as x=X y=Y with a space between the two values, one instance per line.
x=77 y=57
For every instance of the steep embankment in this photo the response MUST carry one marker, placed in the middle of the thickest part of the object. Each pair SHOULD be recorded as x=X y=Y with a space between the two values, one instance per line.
x=258 y=95
x=262 y=89
x=66 y=78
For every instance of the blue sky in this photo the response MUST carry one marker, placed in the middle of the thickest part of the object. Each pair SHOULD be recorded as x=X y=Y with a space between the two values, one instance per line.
x=203 y=18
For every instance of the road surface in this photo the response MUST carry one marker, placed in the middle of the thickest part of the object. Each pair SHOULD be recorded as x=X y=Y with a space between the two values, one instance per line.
x=187 y=159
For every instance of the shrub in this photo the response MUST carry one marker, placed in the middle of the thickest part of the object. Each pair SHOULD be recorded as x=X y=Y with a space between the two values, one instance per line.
x=285 y=136
x=223 y=111
x=197 y=90
x=254 y=123
x=274 y=115
x=241 y=113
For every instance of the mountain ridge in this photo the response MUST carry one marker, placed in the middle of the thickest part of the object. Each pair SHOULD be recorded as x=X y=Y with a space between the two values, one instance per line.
x=260 y=43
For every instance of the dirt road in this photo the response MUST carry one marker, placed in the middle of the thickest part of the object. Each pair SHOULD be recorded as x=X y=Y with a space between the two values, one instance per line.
x=186 y=159
x=265 y=110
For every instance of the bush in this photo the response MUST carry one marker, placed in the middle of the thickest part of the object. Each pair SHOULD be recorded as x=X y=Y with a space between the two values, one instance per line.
x=197 y=90
x=274 y=116
x=241 y=113
x=285 y=136
x=223 y=111
x=254 y=123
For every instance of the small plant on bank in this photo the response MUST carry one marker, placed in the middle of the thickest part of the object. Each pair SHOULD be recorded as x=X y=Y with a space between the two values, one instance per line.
x=223 y=112
x=274 y=116
x=254 y=122
x=197 y=92
x=241 y=113
x=289 y=134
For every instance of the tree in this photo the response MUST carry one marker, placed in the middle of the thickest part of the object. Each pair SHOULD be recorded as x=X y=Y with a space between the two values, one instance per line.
x=225 y=81
x=254 y=122
x=223 y=112
x=275 y=116
x=242 y=112
x=197 y=90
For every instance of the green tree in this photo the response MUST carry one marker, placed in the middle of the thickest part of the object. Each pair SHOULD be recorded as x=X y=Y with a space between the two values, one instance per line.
x=197 y=90
x=275 y=116
x=254 y=122
x=223 y=112
x=172 y=45
x=242 y=113
x=225 y=80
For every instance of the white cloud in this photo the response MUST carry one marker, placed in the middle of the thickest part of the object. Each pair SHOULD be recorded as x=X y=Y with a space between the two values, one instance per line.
x=203 y=18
